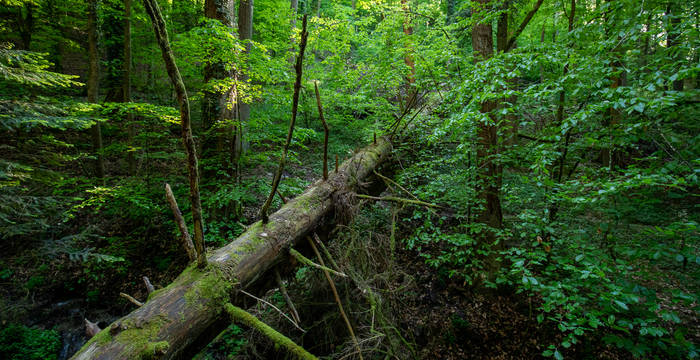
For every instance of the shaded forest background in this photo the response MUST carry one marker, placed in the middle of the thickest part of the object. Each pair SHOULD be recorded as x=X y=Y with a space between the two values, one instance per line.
x=558 y=140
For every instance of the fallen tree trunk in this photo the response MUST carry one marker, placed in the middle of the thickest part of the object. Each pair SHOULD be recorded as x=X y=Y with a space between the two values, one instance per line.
x=173 y=318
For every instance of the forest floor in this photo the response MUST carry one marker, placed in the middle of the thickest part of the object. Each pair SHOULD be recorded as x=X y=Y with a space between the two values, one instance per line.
x=426 y=314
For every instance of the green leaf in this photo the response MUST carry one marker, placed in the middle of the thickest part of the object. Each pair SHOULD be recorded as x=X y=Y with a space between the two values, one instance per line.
x=621 y=304
x=558 y=355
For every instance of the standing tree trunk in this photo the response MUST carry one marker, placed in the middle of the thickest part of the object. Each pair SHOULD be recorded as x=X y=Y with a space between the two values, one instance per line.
x=26 y=24
x=130 y=157
x=558 y=171
x=673 y=37
x=612 y=116
x=408 y=59
x=489 y=173
x=112 y=27
x=294 y=6
x=162 y=37
x=245 y=32
x=92 y=88
x=216 y=105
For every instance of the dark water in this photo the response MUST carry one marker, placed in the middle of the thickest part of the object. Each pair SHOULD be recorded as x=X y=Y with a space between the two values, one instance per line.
x=67 y=317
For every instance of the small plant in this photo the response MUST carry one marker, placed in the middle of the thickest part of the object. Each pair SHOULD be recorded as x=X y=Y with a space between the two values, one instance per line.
x=18 y=342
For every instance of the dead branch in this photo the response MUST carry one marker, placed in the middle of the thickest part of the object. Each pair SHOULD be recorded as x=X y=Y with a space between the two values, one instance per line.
x=304 y=260
x=242 y=316
x=295 y=105
x=397 y=199
x=337 y=299
x=161 y=34
x=149 y=286
x=184 y=233
x=325 y=251
x=283 y=290
x=325 y=132
x=274 y=307
x=131 y=299
x=91 y=328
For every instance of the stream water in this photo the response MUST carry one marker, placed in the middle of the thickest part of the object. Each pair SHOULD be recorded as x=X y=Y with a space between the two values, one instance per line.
x=67 y=317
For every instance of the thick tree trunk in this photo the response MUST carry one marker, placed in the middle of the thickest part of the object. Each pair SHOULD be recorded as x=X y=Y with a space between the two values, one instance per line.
x=245 y=32
x=215 y=106
x=92 y=87
x=175 y=317
x=26 y=25
x=112 y=28
x=489 y=171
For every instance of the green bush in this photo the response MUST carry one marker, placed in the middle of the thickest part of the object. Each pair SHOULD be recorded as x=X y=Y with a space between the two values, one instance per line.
x=18 y=342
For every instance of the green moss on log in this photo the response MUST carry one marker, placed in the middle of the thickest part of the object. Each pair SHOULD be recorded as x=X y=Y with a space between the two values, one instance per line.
x=212 y=289
x=279 y=340
x=154 y=350
x=141 y=336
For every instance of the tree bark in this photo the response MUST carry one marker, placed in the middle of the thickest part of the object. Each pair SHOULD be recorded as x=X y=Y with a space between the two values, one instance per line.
x=182 y=312
x=408 y=59
x=192 y=168
x=245 y=33
x=112 y=28
x=26 y=24
x=131 y=132
x=558 y=171
x=489 y=173
x=92 y=88
x=215 y=104
x=673 y=37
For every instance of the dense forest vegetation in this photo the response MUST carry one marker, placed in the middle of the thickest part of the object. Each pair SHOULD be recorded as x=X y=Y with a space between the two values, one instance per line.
x=352 y=179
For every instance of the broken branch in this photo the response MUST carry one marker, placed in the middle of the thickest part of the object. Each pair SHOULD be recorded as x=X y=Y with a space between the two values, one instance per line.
x=325 y=131
x=397 y=199
x=149 y=286
x=295 y=105
x=283 y=290
x=274 y=307
x=246 y=318
x=337 y=299
x=131 y=299
x=304 y=260
x=184 y=234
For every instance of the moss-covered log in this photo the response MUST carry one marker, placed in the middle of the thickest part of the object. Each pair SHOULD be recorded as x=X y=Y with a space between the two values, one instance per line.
x=173 y=318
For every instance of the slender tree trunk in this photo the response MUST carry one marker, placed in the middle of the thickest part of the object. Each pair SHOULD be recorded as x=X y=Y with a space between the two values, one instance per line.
x=558 y=171
x=113 y=28
x=192 y=168
x=673 y=37
x=489 y=173
x=502 y=43
x=92 y=88
x=131 y=158
x=408 y=58
x=294 y=5
x=612 y=115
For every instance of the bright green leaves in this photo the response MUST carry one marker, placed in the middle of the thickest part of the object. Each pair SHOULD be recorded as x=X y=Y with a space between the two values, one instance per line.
x=30 y=69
